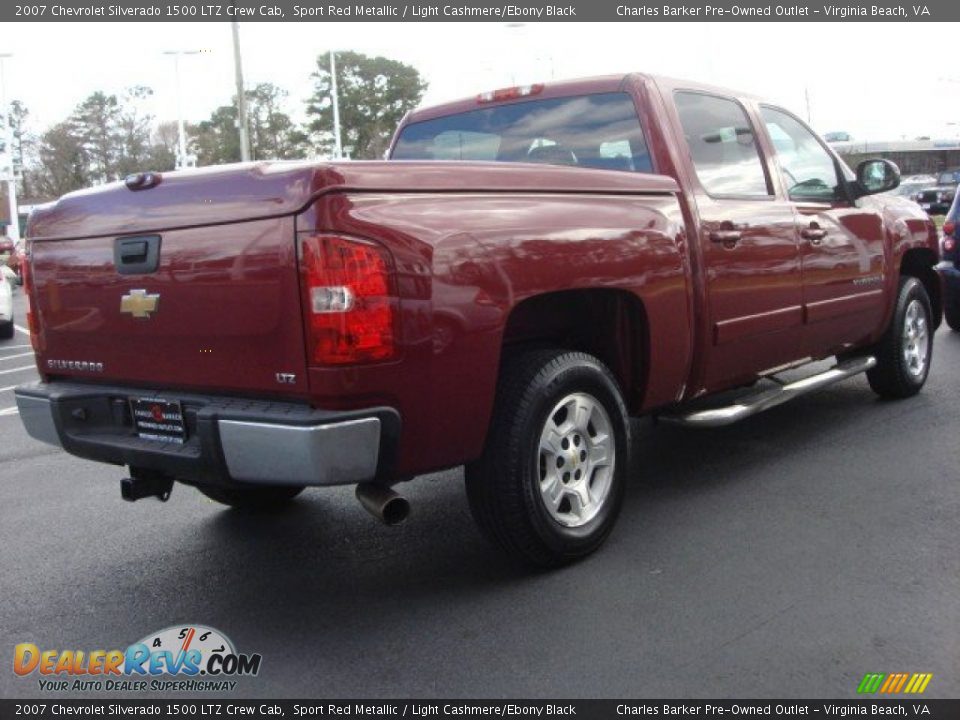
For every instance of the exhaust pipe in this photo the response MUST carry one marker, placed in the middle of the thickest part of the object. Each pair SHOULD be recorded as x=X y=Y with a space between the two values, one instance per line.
x=383 y=503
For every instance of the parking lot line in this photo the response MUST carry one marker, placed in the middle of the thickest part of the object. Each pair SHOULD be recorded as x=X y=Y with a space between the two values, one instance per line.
x=14 y=347
x=18 y=369
x=8 y=387
x=9 y=411
x=18 y=355
x=22 y=329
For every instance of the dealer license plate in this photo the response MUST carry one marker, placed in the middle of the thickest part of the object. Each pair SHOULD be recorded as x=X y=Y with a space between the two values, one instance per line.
x=158 y=420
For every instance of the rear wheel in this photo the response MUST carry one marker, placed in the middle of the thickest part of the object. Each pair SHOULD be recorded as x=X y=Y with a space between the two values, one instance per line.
x=904 y=352
x=6 y=330
x=551 y=480
x=252 y=497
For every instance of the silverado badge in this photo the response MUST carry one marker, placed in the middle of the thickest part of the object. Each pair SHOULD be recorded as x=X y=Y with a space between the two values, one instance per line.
x=139 y=304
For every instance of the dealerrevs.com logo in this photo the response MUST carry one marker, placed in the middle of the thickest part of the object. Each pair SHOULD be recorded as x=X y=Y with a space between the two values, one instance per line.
x=178 y=658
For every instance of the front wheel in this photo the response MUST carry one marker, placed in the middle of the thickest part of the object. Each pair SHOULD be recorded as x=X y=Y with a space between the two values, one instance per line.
x=904 y=352
x=551 y=480
x=251 y=497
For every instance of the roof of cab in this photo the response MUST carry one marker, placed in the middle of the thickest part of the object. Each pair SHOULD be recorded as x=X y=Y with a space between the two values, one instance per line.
x=562 y=88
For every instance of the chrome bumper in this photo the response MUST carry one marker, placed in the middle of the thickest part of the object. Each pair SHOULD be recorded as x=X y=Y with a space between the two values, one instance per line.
x=333 y=454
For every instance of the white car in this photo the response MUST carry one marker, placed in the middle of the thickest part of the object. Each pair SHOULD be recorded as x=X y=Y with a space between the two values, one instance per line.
x=7 y=277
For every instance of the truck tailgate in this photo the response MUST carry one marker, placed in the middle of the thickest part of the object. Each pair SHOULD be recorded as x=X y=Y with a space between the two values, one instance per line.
x=220 y=312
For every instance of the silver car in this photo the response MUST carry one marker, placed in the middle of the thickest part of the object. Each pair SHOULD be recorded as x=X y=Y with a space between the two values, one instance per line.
x=7 y=278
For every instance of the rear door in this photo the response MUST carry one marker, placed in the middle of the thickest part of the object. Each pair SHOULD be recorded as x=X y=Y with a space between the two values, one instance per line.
x=748 y=242
x=841 y=242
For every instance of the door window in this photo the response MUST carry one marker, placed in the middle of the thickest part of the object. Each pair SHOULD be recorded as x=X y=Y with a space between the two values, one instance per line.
x=808 y=169
x=722 y=145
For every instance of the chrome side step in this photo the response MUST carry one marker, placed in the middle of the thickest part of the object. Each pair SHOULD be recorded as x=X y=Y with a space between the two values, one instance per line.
x=758 y=402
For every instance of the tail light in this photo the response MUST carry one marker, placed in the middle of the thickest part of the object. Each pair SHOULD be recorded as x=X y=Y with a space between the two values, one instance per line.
x=948 y=227
x=26 y=274
x=349 y=301
x=949 y=244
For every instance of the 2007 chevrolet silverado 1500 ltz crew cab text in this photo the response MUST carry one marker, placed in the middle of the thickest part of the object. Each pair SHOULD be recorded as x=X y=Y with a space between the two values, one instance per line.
x=528 y=269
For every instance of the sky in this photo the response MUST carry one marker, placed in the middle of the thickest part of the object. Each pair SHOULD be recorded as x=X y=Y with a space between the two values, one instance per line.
x=873 y=80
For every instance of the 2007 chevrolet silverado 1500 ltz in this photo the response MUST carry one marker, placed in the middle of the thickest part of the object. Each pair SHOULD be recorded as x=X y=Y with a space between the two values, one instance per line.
x=528 y=269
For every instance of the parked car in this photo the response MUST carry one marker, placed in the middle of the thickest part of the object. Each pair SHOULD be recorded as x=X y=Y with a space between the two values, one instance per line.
x=16 y=260
x=837 y=137
x=530 y=268
x=6 y=303
x=936 y=200
x=6 y=249
x=910 y=185
x=949 y=266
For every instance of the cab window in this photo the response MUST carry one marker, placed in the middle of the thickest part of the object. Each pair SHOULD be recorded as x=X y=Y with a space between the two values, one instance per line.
x=722 y=145
x=808 y=169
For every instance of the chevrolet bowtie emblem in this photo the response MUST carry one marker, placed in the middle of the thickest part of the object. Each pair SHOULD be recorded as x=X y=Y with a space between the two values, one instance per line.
x=139 y=304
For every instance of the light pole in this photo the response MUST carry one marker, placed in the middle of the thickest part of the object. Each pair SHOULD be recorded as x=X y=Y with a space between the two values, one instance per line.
x=181 y=129
x=337 y=146
x=13 y=229
x=241 y=95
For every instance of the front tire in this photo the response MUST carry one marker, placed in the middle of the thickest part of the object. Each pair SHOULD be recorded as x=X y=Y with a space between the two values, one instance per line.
x=905 y=350
x=551 y=480
x=252 y=497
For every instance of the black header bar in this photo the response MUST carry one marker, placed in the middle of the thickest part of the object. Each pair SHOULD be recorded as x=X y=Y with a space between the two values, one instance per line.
x=482 y=11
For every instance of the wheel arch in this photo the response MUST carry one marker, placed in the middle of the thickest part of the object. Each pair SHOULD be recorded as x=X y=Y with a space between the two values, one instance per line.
x=919 y=263
x=610 y=324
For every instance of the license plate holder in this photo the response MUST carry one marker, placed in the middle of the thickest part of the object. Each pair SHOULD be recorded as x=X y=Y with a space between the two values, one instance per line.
x=160 y=420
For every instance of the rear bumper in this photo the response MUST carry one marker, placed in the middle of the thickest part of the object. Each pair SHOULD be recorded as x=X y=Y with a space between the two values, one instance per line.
x=229 y=440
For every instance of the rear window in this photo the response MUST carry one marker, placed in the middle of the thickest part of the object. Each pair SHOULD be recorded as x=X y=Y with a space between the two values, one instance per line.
x=595 y=131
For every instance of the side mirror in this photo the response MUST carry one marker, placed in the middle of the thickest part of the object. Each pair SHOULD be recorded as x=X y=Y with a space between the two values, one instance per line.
x=876 y=176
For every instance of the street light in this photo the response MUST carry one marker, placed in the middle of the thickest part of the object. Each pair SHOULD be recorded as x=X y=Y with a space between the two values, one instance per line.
x=241 y=95
x=337 y=146
x=14 y=228
x=181 y=129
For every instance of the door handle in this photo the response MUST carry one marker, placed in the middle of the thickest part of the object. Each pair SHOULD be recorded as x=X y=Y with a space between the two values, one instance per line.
x=814 y=234
x=727 y=237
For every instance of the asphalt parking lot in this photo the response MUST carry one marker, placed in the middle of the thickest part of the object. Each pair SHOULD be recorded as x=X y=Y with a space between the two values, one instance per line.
x=783 y=557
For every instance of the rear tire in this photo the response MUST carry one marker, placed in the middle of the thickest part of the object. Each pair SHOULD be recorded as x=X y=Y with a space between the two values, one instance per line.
x=6 y=330
x=252 y=497
x=550 y=483
x=906 y=348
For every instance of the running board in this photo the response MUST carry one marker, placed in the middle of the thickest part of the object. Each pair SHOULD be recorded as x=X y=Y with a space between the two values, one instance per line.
x=758 y=402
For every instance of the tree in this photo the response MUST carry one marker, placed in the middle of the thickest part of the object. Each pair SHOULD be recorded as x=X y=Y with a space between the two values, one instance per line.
x=163 y=146
x=95 y=123
x=62 y=162
x=216 y=141
x=374 y=95
x=23 y=144
x=133 y=130
x=273 y=134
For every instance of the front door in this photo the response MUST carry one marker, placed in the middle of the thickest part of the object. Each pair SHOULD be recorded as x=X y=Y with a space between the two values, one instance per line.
x=841 y=244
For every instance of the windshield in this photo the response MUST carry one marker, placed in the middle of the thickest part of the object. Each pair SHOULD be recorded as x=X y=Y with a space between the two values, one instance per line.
x=597 y=131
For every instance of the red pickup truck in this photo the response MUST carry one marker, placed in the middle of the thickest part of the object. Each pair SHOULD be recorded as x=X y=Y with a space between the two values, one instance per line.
x=530 y=268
